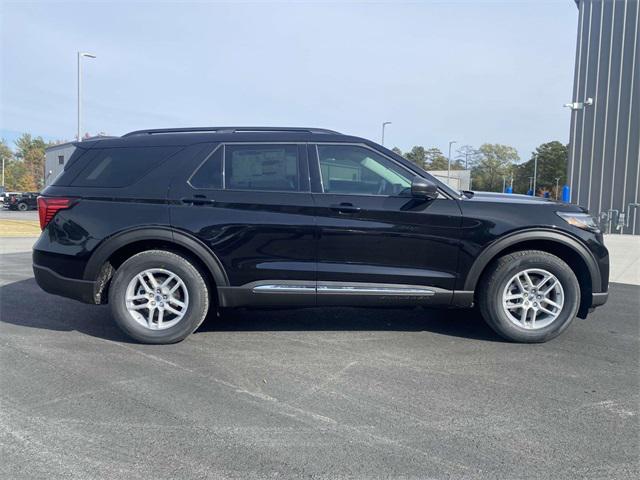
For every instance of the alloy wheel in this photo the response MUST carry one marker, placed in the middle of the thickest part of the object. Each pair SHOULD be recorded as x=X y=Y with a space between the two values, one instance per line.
x=533 y=299
x=157 y=298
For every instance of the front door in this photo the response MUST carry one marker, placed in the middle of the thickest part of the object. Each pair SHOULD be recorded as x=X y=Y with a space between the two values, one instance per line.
x=251 y=205
x=377 y=244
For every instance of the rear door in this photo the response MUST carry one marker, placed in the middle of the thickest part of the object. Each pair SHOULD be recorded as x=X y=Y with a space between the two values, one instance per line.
x=377 y=244
x=251 y=204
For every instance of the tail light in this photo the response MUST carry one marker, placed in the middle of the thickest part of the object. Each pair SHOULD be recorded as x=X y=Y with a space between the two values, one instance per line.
x=49 y=206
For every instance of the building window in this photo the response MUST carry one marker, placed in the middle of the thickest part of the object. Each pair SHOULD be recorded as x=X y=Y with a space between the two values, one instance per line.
x=60 y=159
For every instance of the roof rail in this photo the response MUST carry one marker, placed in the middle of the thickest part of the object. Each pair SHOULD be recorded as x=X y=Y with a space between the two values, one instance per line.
x=157 y=131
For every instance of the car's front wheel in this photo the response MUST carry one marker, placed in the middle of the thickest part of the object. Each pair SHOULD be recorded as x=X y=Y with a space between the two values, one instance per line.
x=529 y=296
x=158 y=297
x=23 y=207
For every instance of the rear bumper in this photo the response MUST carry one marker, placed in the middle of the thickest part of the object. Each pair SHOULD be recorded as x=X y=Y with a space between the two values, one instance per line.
x=52 y=282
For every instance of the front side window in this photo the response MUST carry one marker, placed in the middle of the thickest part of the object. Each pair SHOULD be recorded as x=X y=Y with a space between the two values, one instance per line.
x=262 y=167
x=351 y=169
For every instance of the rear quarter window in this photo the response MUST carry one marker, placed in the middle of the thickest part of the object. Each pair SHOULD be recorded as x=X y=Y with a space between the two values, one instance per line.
x=120 y=167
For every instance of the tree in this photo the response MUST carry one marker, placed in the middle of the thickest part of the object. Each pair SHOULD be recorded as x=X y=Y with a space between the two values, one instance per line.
x=396 y=150
x=552 y=163
x=495 y=161
x=29 y=165
x=436 y=159
x=417 y=155
x=467 y=156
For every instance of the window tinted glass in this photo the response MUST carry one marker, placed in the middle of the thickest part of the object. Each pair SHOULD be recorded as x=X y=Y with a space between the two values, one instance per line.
x=262 y=167
x=209 y=174
x=357 y=170
x=119 y=167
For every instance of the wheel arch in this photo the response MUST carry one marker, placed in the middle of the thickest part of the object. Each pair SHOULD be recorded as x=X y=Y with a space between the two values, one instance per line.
x=112 y=252
x=567 y=248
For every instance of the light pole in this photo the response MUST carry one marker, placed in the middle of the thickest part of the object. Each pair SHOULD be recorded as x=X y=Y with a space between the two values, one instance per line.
x=535 y=173
x=3 y=171
x=80 y=55
x=557 y=186
x=384 y=124
x=449 y=161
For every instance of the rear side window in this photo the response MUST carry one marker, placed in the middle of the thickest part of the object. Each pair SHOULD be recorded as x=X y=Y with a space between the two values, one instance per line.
x=209 y=173
x=119 y=167
x=262 y=167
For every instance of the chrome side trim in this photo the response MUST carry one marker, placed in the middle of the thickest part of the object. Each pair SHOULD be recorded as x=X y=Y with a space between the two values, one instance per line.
x=351 y=290
x=284 y=289
x=343 y=290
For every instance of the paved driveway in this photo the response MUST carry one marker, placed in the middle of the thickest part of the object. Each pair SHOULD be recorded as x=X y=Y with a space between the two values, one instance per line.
x=315 y=393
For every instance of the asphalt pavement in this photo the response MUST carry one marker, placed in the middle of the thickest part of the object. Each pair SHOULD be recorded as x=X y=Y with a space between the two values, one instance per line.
x=313 y=393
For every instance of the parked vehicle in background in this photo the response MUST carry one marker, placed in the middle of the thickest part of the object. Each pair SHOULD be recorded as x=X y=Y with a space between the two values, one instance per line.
x=8 y=198
x=4 y=198
x=164 y=224
x=21 y=201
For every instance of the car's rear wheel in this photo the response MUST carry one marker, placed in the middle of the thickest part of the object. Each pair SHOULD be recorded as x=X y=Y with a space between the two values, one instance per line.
x=529 y=296
x=158 y=297
x=23 y=207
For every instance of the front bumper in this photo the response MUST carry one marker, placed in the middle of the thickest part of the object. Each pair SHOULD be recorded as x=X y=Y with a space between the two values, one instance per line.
x=52 y=282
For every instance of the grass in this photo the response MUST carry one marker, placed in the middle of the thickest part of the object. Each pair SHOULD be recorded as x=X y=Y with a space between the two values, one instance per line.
x=19 y=228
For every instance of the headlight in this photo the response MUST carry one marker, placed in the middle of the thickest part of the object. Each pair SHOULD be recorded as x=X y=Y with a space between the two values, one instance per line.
x=580 y=220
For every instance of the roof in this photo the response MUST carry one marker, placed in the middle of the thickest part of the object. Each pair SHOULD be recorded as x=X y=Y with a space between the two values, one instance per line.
x=231 y=130
x=73 y=143
x=192 y=135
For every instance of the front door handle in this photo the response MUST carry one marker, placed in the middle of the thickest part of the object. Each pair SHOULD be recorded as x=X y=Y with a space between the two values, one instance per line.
x=345 y=208
x=197 y=200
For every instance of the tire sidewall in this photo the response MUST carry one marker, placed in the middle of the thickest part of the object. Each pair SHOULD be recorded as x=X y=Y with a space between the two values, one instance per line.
x=570 y=286
x=23 y=207
x=198 y=296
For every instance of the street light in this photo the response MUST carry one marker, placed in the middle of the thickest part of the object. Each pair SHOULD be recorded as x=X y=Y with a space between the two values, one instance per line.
x=535 y=173
x=80 y=55
x=557 y=186
x=384 y=124
x=449 y=162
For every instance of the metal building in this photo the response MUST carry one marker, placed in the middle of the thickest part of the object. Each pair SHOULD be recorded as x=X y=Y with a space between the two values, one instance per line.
x=605 y=122
x=55 y=158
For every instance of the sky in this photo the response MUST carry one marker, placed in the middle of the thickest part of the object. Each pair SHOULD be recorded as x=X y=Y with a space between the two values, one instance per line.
x=474 y=71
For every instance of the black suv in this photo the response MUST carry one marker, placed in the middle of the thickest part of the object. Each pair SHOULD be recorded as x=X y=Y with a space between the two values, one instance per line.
x=21 y=201
x=165 y=225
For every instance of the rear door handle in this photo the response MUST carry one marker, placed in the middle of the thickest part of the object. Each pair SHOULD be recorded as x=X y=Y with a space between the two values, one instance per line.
x=345 y=208
x=197 y=200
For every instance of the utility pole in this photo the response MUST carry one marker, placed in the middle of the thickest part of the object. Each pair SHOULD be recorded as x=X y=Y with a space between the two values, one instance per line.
x=3 y=184
x=384 y=124
x=535 y=173
x=80 y=55
x=449 y=162
x=557 y=186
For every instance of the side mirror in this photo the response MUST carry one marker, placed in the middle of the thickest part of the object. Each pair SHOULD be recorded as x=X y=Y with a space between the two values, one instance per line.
x=423 y=188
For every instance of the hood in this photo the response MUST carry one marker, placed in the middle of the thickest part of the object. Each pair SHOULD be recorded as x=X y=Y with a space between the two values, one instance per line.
x=518 y=199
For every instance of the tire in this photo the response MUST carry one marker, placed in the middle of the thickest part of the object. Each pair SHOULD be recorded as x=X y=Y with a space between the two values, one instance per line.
x=505 y=279
x=132 y=316
x=23 y=207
